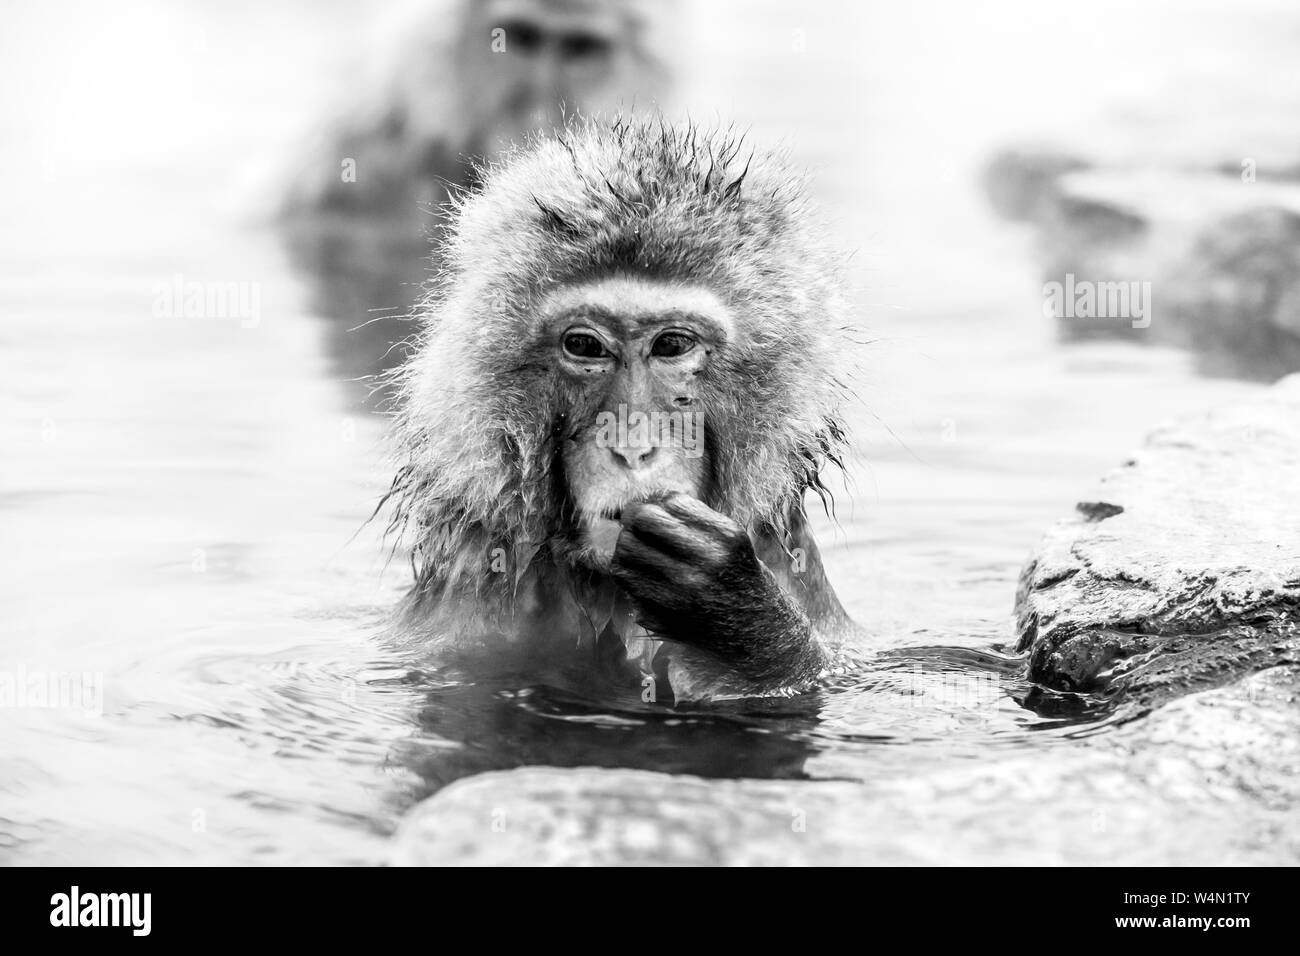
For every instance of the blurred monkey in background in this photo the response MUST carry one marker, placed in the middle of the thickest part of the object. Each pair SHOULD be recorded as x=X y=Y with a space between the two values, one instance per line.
x=455 y=82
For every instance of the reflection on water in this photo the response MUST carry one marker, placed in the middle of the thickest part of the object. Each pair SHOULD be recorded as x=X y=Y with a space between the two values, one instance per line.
x=925 y=705
x=365 y=284
x=185 y=497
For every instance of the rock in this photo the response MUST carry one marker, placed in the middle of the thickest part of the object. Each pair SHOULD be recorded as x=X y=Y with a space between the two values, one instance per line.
x=1212 y=778
x=1237 y=292
x=1183 y=569
x=544 y=816
x=1197 y=259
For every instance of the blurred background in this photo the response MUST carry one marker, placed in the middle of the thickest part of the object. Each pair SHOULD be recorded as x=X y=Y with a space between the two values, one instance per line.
x=192 y=291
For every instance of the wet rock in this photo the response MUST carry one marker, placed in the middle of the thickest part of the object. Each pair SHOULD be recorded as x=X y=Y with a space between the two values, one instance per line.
x=1212 y=778
x=1183 y=569
x=546 y=816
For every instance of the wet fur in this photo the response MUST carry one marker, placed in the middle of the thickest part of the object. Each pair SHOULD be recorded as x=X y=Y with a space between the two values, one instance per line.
x=479 y=416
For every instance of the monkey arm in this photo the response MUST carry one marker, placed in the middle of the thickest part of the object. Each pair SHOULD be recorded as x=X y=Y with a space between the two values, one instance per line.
x=696 y=579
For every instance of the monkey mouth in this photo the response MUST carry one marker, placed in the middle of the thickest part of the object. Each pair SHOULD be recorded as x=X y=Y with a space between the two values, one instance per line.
x=599 y=530
x=614 y=513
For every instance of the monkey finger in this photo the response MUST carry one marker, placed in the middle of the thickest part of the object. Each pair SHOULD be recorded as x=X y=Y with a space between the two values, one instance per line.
x=700 y=515
x=657 y=578
x=631 y=554
x=652 y=593
x=653 y=525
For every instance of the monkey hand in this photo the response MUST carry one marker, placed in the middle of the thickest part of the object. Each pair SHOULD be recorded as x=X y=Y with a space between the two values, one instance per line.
x=695 y=578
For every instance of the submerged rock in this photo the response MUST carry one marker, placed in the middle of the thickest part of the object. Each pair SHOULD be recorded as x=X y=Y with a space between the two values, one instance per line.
x=1183 y=569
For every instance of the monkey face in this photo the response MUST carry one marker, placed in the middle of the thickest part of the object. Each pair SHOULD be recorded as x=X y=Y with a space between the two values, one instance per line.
x=630 y=355
x=549 y=57
x=628 y=312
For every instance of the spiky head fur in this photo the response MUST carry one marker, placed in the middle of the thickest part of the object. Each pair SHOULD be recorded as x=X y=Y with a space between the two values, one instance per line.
x=480 y=409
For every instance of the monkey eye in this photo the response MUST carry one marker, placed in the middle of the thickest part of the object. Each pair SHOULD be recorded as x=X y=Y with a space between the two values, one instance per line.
x=584 y=345
x=672 y=344
x=583 y=46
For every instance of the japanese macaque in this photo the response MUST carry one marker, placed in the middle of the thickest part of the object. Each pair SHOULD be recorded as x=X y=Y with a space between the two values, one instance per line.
x=465 y=79
x=454 y=82
x=631 y=372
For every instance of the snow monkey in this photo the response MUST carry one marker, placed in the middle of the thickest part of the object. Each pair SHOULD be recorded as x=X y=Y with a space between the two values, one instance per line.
x=456 y=81
x=630 y=374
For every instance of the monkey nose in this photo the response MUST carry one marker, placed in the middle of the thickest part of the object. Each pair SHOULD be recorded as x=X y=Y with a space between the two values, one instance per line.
x=633 y=456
